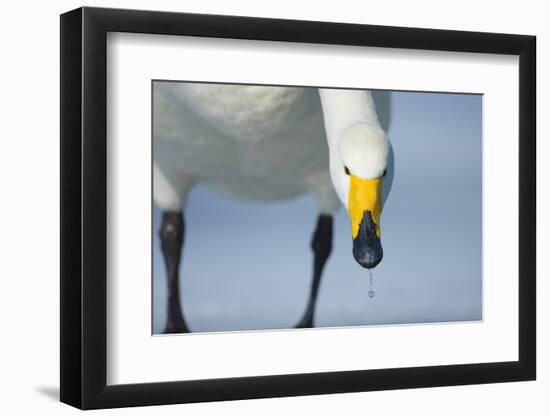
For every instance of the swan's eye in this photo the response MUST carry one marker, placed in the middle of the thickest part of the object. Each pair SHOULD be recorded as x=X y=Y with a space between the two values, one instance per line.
x=346 y=170
x=385 y=172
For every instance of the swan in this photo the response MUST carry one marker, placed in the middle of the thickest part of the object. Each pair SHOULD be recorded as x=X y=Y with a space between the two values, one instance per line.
x=270 y=143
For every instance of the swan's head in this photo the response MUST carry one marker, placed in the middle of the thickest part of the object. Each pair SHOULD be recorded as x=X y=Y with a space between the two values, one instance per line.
x=362 y=171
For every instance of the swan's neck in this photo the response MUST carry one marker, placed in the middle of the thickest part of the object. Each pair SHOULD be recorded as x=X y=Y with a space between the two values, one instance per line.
x=343 y=108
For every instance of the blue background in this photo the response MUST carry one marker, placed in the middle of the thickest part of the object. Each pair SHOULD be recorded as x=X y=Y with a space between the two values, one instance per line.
x=248 y=266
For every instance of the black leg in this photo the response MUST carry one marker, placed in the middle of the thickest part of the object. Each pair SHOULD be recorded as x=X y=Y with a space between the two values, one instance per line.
x=321 y=244
x=171 y=236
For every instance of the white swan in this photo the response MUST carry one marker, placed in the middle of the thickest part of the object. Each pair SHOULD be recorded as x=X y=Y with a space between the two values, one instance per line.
x=270 y=143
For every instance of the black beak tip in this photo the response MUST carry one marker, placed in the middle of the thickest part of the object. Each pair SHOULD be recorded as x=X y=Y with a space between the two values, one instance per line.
x=368 y=255
x=367 y=248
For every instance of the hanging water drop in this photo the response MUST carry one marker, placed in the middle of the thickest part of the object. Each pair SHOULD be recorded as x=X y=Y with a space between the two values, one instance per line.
x=371 y=291
x=370 y=278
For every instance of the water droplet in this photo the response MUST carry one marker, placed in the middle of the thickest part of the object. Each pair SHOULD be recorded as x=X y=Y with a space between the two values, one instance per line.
x=371 y=290
x=370 y=278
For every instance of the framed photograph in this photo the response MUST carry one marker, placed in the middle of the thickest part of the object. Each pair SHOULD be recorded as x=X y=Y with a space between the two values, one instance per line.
x=259 y=208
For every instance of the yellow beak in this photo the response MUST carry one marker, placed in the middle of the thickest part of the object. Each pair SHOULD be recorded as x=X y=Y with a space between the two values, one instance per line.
x=364 y=195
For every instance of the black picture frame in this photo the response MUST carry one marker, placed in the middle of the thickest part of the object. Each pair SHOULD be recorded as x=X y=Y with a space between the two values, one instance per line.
x=84 y=207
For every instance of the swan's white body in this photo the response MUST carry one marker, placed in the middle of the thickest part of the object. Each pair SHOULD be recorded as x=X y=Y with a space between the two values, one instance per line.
x=270 y=143
x=254 y=142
